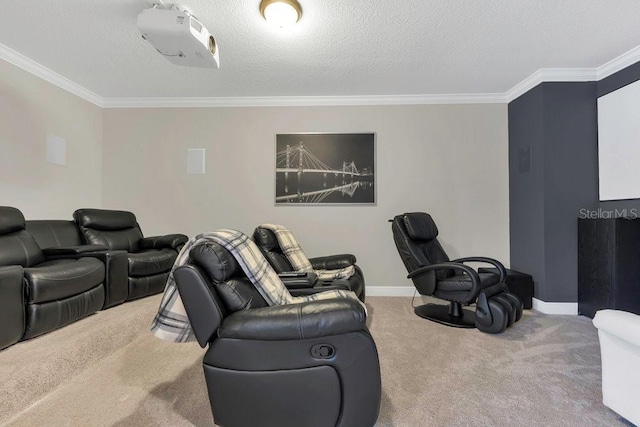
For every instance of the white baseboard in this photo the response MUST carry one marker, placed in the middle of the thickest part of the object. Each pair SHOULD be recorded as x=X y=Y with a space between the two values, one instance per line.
x=569 y=308
x=555 y=307
x=390 y=291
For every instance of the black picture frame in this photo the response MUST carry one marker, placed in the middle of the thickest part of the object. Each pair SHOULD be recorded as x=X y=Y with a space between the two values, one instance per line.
x=325 y=169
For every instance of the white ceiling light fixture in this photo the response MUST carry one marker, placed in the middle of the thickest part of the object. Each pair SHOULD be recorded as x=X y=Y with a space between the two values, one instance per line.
x=281 y=13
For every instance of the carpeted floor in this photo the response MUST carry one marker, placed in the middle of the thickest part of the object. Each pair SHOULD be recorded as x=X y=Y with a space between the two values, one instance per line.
x=109 y=370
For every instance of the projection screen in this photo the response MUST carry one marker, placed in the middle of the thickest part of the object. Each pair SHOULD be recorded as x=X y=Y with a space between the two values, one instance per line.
x=619 y=143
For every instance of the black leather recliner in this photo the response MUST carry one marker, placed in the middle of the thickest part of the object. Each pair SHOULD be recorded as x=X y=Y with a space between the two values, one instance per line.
x=267 y=241
x=38 y=291
x=62 y=239
x=415 y=235
x=149 y=259
x=310 y=364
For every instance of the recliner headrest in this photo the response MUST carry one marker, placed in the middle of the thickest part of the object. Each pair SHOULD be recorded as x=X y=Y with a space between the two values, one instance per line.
x=265 y=239
x=11 y=220
x=105 y=219
x=215 y=260
x=420 y=226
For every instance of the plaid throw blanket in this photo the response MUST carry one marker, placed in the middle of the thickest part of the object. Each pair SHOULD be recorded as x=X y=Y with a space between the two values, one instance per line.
x=172 y=324
x=292 y=250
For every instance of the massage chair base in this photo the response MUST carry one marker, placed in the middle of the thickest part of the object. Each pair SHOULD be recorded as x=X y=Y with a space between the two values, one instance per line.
x=449 y=315
x=495 y=311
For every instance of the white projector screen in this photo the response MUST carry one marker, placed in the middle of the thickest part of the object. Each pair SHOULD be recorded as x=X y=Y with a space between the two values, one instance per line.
x=619 y=143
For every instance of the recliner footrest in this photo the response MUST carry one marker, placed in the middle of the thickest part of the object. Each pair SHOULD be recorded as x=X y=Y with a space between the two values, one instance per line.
x=496 y=311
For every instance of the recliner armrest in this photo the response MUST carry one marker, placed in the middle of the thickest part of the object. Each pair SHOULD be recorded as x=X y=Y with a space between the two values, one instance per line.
x=621 y=324
x=12 y=305
x=317 y=289
x=72 y=251
x=497 y=264
x=170 y=241
x=308 y=280
x=473 y=275
x=11 y=274
x=311 y=319
x=332 y=262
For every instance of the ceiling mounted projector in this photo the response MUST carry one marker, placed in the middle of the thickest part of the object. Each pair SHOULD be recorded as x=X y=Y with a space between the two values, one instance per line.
x=179 y=36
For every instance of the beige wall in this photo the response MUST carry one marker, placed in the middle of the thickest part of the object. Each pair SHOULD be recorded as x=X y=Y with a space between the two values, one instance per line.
x=31 y=109
x=449 y=160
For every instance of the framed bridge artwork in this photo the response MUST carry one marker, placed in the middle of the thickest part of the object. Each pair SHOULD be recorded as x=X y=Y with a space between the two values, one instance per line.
x=325 y=168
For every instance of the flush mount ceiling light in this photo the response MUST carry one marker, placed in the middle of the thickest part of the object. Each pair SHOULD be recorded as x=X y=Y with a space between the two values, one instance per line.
x=281 y=13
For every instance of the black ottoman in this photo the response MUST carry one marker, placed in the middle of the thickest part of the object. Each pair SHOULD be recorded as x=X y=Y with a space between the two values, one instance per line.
x=520 y=284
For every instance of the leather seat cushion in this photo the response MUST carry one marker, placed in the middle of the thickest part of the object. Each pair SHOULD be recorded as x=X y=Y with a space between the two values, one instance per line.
x=151 y=261
x=62 y=278
x=460 y=282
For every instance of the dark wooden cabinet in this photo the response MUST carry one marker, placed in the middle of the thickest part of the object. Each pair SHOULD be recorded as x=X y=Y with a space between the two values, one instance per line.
x=608 y=265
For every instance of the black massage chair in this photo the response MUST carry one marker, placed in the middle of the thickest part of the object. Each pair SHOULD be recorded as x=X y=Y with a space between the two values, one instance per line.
x=310 y=364
x=415 y=235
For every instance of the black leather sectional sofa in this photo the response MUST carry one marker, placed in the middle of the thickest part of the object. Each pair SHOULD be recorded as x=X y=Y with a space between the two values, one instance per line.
x=54 y=272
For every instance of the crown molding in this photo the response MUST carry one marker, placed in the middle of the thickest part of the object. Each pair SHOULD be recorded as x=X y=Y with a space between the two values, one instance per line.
x=540 y=76
x=574 y=74
x=304 y=101
x=39 y=70
x=551 y=75
x=619 y=63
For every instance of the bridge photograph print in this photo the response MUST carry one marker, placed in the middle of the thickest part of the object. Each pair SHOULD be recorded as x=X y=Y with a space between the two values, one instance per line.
x=325 y=168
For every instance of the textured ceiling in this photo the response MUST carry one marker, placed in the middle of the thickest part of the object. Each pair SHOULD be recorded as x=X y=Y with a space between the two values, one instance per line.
x=339 y=47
